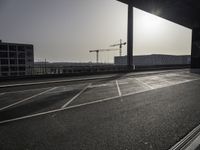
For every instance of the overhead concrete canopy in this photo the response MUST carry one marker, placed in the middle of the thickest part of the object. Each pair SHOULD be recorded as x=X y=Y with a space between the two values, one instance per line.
x=183 y=12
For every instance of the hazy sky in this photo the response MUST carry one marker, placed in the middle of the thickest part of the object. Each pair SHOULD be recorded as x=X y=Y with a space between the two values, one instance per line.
x=65 y=30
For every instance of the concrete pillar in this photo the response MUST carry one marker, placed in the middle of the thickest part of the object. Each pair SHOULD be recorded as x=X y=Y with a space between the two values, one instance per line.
x=130 y=38
x=195 y=55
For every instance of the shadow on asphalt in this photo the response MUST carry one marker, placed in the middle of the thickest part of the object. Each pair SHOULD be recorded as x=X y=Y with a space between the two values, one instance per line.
x=196 y=71
x=113 y=78
x=36 y=106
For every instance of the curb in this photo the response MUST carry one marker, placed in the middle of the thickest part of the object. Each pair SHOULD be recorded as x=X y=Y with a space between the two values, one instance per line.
x=187 y=140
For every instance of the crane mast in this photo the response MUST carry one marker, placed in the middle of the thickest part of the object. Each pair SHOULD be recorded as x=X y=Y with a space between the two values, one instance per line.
x=97 y=51
x=120 y=46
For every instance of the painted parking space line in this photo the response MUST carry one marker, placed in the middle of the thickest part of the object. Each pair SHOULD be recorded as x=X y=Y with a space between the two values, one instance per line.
x=76 y=96
x=26 y=99
x=91 y=78
x=185 y=81
x=81 y=105
x=58 y=110
x=143 y=83
x=99 y=85
x=21 y=91
x=123 y=82
x=67 y=88
x=118 y=88
x=1 y=94
x=72 y=107
x=57 y=81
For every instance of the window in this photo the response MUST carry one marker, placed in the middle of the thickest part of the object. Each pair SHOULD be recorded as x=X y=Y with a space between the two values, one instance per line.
x=13 y=68
x=13 y=74
x=4 y=74
x=30 y=54
x=12 y=47
x=21 y=61
x=29 y=47
x=21 y=48
x=21 y=68
x=13 y=61
x=21 y=55
x=22 y=73
x=4 y=68
x=4 y=61
x=13 y=55
x=30 y=60
x=3 y=54
x=3 y=48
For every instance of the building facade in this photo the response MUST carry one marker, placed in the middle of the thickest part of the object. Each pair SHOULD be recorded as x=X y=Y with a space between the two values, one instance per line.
x=155 y=60
x=16 y=59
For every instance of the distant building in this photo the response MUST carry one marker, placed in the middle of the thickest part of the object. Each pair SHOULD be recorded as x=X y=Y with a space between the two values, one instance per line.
x=69 y=67
x=155 y=60
x=16 y=59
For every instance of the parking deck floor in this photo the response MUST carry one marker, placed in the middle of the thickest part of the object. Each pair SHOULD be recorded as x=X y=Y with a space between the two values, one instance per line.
x=148 y=111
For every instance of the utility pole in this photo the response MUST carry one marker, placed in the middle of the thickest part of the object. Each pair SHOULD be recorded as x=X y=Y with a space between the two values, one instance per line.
x=120 y=46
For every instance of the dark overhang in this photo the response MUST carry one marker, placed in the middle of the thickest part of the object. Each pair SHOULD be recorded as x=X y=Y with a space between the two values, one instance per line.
x=184 y=12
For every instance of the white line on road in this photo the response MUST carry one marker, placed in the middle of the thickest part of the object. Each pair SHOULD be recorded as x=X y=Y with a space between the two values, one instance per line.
x=143 y=83
x=58 y=110
x=99 y=85
x=2 y=94
x=123 y=83
x=56 y=81
x=11 y=92
x=77 y=95
x=27 y=99
x=118 y=88
x=84 y=104
x=90 y=78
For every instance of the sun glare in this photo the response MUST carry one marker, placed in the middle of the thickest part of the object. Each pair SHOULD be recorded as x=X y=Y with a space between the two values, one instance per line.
x=150 y=23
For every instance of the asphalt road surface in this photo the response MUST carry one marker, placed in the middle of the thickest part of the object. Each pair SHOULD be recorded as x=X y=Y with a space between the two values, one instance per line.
x=125 y=112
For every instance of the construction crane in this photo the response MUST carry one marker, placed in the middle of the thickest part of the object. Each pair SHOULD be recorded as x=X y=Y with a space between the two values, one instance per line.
x=120 y=46
x=101 y=50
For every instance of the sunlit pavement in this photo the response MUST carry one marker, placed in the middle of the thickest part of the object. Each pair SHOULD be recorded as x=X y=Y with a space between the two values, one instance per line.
x=152 y=111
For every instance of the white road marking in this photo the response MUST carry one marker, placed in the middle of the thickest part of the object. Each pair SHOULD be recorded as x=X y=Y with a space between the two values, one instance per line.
x=56 y=81
x=185 y=81
x=99 y=85
x=57 y=110
x=92 y=78
x=123 y=83
x=168 y=82
x=143 y=83
x=70 y=107
x=77 y=95
x=27 y=99
x=2 y=94
x=84 y=104
x=21 y=91
x=118 y=88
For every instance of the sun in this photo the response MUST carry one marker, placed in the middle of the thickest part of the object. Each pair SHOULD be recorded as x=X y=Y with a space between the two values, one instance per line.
x=150 y=23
